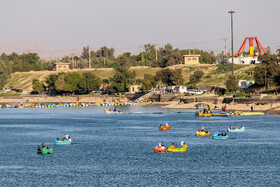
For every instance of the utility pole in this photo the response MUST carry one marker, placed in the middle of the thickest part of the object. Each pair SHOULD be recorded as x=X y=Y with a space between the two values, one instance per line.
x=73 y=61
x=194 y=47
x=156 y=54
x=89 y=63
x=226 y=47
x=231 y=13
x=265 y=80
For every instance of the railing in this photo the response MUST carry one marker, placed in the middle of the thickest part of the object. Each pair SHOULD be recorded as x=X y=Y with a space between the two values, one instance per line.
x=146 y=96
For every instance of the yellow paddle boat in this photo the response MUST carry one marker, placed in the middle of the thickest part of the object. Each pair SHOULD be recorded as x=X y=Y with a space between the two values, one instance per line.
x=202 y=133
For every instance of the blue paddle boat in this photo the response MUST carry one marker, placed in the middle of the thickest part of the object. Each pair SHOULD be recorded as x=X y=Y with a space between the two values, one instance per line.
x=222 y=136
x=63 y=141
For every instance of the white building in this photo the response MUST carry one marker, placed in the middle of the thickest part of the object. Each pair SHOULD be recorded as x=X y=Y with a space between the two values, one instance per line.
x=245 y=60
x=245 y=83
x=174 y=89
x=180 y=89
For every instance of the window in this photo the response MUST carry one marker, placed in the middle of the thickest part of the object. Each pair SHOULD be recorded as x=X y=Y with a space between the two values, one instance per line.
x=60 y=66
x=64 y=66
x=194 y=59
x=189 y=59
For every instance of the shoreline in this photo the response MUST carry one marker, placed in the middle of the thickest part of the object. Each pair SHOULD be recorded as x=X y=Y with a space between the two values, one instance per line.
x=37 y=99
x=229 y=107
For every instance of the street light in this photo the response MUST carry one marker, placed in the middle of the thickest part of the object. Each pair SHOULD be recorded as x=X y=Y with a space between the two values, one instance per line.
x=232 y=12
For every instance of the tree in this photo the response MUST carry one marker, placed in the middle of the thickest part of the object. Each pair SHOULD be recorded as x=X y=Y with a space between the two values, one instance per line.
x=148 y=82
x=5 y=71
x=177 y=77
x=85 y=53
x=232 y=84
x=37 y=85
x=122 y=77
x=265 y=72
x=59 y=83
x=277 y=79
x=89 y=82
x=105 y=83
x=170 y=77
x=51 y=80
x=149 y=56
x=196 y=76
x=72 y=80
x=105 y=52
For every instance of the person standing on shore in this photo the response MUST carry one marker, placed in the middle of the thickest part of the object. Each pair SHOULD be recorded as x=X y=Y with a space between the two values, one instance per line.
x=252 y=109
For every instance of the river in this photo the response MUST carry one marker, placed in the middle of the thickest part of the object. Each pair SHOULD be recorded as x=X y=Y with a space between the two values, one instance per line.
x=117 y=149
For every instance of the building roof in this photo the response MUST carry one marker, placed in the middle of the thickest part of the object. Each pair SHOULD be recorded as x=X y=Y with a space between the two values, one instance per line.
x=191 y=55
x=62 y=63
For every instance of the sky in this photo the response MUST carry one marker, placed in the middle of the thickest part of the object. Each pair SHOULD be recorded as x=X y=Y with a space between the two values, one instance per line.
x=129 y=24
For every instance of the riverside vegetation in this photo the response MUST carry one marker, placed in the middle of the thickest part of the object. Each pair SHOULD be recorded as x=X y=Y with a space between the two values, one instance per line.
x=166 y=70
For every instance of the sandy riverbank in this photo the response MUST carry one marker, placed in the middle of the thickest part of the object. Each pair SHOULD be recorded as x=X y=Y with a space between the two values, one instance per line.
x=233 y=107
x=59 y=99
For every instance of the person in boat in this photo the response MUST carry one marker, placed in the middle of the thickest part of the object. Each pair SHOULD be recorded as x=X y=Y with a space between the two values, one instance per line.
x=39 y=148
x=207 y=131
x=184 y=144
x=175 y=145
x=230 y=127
x=59 y=139
x=172 y=145
x=240 y=127
x=160 y=146
x=115 y=109
x=202 y=129
x=69 y=139
x=235 y=126
x=166 y=124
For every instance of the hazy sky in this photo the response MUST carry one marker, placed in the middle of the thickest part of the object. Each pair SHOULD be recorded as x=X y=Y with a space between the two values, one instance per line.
x=129 y=24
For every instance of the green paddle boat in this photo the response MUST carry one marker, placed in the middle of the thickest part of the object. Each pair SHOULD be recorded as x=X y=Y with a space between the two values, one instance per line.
x=44 y=150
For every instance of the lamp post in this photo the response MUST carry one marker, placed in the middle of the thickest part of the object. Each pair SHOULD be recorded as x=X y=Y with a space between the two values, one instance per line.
x=232 y=12
x=265 y=80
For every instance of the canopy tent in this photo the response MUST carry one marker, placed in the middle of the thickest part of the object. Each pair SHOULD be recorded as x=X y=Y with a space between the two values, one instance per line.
x=203 y=105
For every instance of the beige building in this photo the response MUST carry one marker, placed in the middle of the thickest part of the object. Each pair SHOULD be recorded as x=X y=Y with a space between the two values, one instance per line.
x=134 y=88
x=61 y=66
x=191 y=59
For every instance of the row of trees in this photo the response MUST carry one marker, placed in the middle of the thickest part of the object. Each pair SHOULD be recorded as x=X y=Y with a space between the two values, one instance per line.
x=68 y=82
x=19 y=63
x=120 y=81
x=163 y=57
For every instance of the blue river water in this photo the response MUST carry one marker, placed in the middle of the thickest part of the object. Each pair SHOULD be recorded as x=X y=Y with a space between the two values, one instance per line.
x=117 y=149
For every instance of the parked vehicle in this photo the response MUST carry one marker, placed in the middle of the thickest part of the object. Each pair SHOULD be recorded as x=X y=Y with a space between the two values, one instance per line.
x=194 y=92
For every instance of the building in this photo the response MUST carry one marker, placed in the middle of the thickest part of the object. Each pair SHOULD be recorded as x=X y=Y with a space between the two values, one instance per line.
x=61 y=66
x=245 y=60
x=134 y=88
x=245 y=83
x=191 y=59
x=180 y=89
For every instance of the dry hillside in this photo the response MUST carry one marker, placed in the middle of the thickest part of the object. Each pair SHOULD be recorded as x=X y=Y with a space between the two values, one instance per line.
x=23 y=80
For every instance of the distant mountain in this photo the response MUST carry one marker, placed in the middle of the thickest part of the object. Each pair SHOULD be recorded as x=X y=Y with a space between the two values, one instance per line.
x=45 y=51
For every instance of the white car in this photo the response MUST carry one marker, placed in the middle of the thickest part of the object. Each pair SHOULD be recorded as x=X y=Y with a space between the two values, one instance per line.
x=194 y=92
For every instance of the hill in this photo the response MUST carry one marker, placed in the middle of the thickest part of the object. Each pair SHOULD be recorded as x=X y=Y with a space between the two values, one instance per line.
x=214 y=75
